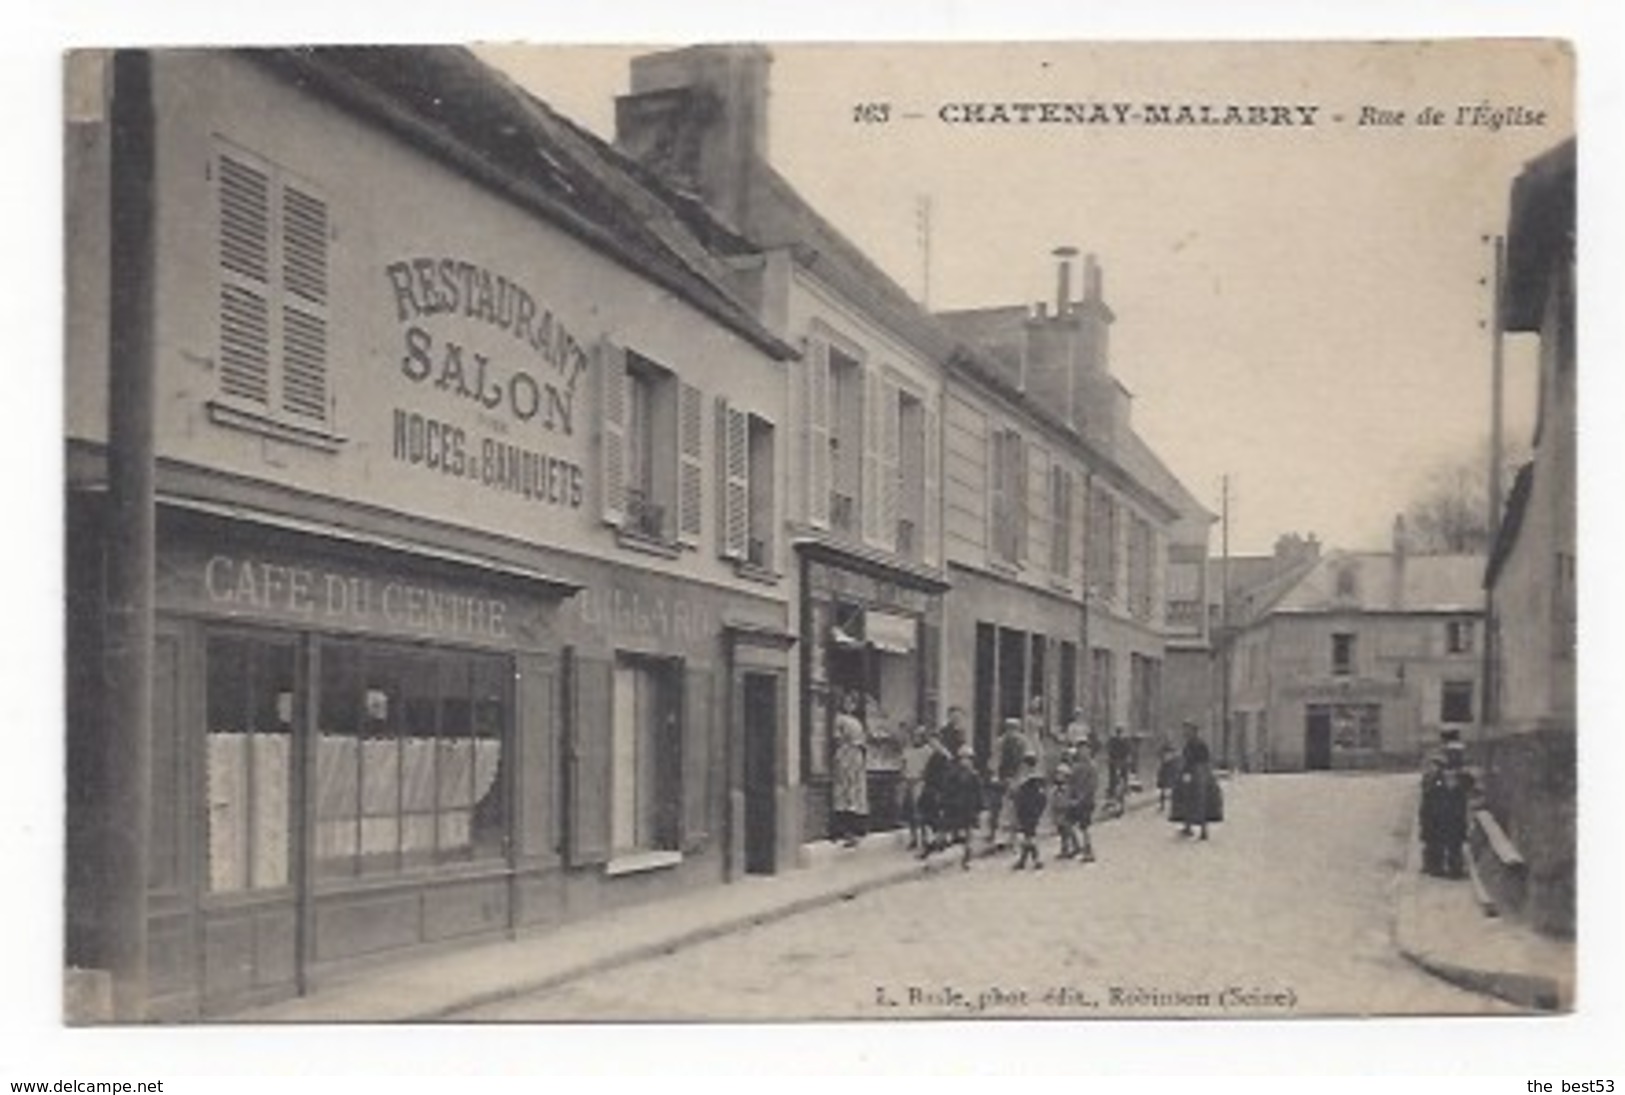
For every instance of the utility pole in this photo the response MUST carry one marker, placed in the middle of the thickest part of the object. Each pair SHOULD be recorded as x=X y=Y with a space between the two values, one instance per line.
x=1224 y=623
x=124 y=771
x=1490 y=687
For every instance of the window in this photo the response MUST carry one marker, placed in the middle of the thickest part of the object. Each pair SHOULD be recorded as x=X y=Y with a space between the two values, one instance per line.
x=1102 y=691
x=1060 y=505
x=1141 y=546
x=1456 y=701
x=645 y=765
x=1342 y=654
x=746 y=492
x=911 y=493
x=272 y=259
x=1009 y=508
x=1103 y=544
x=652 y=426
x=1348 y=582
x=251 y=704
x=409 y=753
x=1459 y=636
x=845 y=442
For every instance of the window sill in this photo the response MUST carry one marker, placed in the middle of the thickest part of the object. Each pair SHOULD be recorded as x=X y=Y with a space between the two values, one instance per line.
x=254 y=420
x=1003 y=566
x=638 y=862
x=649 y=545
x=759 y=574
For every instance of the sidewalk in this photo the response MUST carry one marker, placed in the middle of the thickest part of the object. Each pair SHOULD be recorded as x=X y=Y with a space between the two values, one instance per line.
x=435 y=987
x=1439 y=926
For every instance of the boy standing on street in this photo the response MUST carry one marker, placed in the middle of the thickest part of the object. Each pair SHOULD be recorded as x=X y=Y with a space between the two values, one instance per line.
x=1030 y=799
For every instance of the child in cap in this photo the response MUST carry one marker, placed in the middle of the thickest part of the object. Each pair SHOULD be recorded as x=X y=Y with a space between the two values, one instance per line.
x=1031 y=799
x=1061 y=801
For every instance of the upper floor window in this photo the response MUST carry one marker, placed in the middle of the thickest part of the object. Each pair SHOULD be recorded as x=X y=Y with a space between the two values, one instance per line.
x=910 y=474
x=1343 y=654
x=745 y=460
x=652 y=426
x=1009 y=504
x=1060 y=505
x=845 y=442
x=1103 y=554
x=271 y=233
x=1459 y=636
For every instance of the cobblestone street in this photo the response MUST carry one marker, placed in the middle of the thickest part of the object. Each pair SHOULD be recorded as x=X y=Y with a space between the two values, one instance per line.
x=1286 y=910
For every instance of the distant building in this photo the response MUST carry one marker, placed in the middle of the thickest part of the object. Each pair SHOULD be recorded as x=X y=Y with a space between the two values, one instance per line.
x=1528 y=744
x=1357 y=660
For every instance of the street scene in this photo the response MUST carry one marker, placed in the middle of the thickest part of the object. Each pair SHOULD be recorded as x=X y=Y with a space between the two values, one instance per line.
x=711 y=532
x=1286 y=910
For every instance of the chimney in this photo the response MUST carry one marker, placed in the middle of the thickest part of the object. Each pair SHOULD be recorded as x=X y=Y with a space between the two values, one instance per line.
x=1401 y=546
x=697 y=117
x=1063 y=279
x=1093 y=290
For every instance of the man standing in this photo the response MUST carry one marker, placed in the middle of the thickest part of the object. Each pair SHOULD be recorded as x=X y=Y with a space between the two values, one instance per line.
x=1008 y=755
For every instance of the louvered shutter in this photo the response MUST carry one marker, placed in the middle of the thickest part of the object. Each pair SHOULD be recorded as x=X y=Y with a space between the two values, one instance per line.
x=304 y=305
x=612 y=431
x=245 y=272
x=588 y=757
x=996 y=493
x=891 y=472
x=690 y=467
x=1019 y=490
x=815 y=415
x=733 y=480
x=871 y=463
x=696 y=758
x=933 y=490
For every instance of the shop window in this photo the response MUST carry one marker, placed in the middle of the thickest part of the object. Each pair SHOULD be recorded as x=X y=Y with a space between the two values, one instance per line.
x=1456 y=702
x=272 y=259
x=1342 y=654
x=251 y=692
x=645 y=764
x=408 y=758
x=1355 y=725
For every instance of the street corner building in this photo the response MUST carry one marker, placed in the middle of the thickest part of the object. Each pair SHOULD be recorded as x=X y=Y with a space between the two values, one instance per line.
x=423 y=557
x=1351 y=659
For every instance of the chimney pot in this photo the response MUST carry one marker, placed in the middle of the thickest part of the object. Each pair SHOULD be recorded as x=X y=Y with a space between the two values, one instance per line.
x=1063 y=278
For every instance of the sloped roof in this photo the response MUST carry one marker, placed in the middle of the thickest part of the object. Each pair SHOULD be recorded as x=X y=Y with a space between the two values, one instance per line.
x=1424 y=583
x=450 y=103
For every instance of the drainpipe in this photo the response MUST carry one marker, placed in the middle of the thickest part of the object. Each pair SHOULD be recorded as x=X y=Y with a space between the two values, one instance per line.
x=131 y=532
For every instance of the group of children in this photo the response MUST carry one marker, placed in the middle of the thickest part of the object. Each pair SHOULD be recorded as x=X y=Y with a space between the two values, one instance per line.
x=945 y=796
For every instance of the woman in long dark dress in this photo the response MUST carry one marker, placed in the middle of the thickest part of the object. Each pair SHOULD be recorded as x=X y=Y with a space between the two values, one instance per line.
x=1196 y=795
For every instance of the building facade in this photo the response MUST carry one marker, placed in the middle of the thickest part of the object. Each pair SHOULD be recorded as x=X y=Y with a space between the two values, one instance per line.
x=471 y=613
x=1528 y=745
x=1360 y=661
x=1057 y=521
x=862 y=509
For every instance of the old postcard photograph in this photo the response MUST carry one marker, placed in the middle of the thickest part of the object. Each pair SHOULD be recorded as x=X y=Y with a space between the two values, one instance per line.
x=776 y=531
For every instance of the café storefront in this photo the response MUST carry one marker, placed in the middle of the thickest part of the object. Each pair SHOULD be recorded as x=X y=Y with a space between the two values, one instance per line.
x=348 y=737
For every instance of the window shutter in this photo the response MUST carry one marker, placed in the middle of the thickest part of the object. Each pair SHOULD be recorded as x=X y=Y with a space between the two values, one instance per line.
x=588 y=758
x=304 y=305
x=871 y=501
x=245 y=271
x=538 y=706
x=890 y=463
x=612 y=431
x=933 y=489
x=995 y=501
x=815 y=411
x=733 y=462
x=1019 y=490
x=696 y=759
x=690 y=468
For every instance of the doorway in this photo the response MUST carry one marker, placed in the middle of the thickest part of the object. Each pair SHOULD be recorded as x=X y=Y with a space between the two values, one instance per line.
x=761 y=735
x=1317 y=740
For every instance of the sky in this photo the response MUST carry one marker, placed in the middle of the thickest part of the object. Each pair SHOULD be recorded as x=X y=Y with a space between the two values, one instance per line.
x=1298 y=309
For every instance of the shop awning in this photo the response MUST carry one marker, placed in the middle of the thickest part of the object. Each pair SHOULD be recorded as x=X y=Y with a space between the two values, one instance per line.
x=890 y=632
x=564 y=587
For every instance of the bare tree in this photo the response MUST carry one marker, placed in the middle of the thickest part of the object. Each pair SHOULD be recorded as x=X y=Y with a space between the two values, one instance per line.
x=1449 y=513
